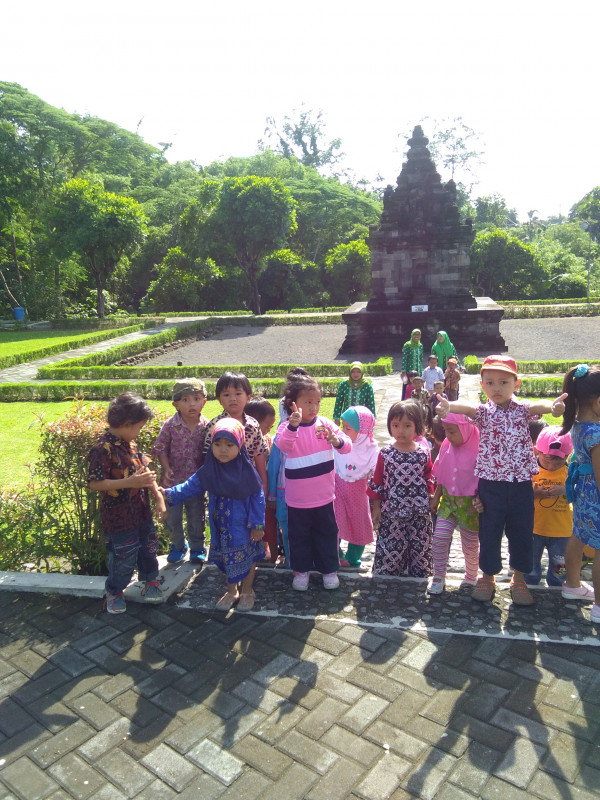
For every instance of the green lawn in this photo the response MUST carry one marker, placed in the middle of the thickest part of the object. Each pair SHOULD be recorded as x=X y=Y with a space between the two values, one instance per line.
x=13 y=342
x=19 y=432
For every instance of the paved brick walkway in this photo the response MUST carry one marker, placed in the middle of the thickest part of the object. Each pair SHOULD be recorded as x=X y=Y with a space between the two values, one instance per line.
x=170 y=702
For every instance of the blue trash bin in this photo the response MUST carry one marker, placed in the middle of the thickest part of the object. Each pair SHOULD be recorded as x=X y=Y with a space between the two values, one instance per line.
x=19 y=313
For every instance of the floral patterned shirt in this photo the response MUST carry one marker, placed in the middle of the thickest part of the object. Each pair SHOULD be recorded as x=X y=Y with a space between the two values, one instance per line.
x=112 y=458
x=402 y=481
x=505 y=446
x=182 y=447
x=255 y=443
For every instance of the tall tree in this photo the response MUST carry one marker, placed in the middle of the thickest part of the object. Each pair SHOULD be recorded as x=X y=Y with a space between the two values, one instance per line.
x=97 y=225
x=239 y=221
x=505 y=268
x=303 y=135
x=588 y=210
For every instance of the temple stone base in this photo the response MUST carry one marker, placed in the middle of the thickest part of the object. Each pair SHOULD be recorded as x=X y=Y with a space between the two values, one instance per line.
x=472 y=331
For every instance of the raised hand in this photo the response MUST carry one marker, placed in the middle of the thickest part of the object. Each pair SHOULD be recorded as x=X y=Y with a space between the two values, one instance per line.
x=295 y=417
x=332 y=438
x=558 y=406
x=443 y=407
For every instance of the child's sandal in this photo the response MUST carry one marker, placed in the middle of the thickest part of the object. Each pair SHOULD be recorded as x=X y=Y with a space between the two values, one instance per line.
x=484 y=590
x=246 y=602
x=226 y=602
x=521 y=596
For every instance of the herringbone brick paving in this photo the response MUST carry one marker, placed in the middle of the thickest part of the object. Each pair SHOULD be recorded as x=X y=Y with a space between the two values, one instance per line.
x=171 y=702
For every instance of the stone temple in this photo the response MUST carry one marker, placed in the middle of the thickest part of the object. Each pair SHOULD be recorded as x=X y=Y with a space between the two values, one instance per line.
x=420 y=269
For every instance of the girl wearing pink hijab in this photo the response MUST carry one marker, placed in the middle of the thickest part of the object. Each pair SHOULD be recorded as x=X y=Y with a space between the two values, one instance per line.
x=454 y=470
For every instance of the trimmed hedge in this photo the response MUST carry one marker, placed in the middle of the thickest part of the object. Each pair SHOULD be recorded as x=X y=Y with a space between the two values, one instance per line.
x=383 y=366
x=121 y=351
x=102 y=324
x=552 y=302
x=539 y=312
x=327 y=310
x=541 y=387
x=318 y=318
x=473 y=366
x=50 y=350
x=151 y=390
x=206 y=313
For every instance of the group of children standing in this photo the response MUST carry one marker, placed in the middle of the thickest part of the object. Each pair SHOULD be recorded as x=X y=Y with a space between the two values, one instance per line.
x=486 y=481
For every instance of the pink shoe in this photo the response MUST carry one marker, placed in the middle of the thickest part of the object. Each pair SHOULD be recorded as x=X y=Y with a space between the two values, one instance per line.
x=582 y=592
x=331 y=580
x=595 y=615
x=300 y=582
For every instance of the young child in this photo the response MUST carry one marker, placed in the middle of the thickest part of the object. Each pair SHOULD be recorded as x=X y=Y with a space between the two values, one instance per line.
x=118 y=471
x=438 y=390
x=409 y=387
x=295 y=372
x=452 y=378
x=236 y=510
x=179 y=450
x=553 y=517
x=536 y=426
x=400 y=488
x=419 y=393
x=432 y=373
x=233 y=392
x=264 y=413
x=505 y=466
x=351 y=504
x=453 y=500
x=582 y=418
x=308 y=441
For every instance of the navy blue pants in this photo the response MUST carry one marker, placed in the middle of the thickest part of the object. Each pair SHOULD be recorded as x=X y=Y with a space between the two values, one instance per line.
x=508 y=507
x=129 y=551
x=313 y=539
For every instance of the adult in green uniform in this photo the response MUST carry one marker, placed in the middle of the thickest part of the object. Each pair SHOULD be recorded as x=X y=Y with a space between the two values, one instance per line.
x=356 y=391
x=412 y=357
x=444 y=349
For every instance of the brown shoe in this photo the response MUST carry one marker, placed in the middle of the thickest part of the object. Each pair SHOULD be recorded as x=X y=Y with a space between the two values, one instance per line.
x=521 y=596
x=484 y=590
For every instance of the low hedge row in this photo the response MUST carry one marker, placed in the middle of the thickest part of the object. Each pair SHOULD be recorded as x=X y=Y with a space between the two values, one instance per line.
x=318 y=318
x=206 y=313
x=556 y=301
x=538 y=312
x=50 y=350
x=121 y=351
x=151 y=390
x=473 y=366
x=327 y=310
x=383 y=366
x=94 y=323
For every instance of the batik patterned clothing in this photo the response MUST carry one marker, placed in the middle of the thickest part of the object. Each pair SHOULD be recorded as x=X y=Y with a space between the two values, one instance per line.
x=402 y=481
x=231 y=548
x=121 y=510
x=255 y=443
x=182 y=446
x=505 y=446
x=347 y=396
x=586 y=505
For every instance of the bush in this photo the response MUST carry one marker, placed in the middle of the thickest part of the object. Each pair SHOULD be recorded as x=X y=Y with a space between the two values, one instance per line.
x=57 y=517
x=382 y=366
x=473 y=366
x=105 y=323
x=553 y=301
x=544 y=311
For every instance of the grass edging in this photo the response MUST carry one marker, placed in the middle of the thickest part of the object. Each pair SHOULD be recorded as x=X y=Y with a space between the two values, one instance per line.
x=50 y=350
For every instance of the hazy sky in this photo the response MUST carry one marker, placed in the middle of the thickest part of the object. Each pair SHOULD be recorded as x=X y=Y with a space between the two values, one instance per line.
x=205 y=76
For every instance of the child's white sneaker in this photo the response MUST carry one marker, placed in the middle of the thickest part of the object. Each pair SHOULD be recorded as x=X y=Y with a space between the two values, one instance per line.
x=436 y=586
x=300 y=582
x=331 y=580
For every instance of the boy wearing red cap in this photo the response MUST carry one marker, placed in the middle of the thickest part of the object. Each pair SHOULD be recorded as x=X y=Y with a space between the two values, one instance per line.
x=505 y=467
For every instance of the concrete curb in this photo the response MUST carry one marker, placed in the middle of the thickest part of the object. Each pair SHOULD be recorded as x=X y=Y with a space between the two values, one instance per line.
x=173 y=578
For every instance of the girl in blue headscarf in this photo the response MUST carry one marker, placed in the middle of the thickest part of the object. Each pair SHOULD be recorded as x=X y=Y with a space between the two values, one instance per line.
x=236 y=509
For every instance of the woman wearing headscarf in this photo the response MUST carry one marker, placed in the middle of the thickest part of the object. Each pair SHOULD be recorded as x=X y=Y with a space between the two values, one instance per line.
x=444 y=349
x=412 y=357
x=356 y=391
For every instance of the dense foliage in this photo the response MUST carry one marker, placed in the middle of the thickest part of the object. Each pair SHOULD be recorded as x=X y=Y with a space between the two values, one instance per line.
x=94 y=219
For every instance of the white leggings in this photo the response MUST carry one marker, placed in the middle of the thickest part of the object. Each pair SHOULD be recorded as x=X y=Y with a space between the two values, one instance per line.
x=440 y=546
